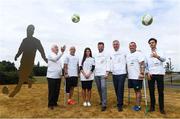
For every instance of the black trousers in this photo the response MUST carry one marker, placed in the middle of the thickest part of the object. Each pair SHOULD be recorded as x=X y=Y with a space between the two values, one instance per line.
x=118 y=81
x=53 y=91
x=160 y=86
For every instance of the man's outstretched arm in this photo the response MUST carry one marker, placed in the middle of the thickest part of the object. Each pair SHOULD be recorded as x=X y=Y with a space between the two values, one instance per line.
x=41 y=50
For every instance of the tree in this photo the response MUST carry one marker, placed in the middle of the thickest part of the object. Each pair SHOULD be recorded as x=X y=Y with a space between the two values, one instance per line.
x=8 y=73
x=169 y=67
x=39 y=70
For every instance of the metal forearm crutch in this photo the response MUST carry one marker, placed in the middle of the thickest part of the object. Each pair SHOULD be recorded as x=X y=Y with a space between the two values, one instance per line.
x=64 y=91
x=78 y=90
x=145 y=96
x=128 y=96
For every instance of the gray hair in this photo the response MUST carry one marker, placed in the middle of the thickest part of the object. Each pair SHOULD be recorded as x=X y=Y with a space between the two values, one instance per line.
x=116 y=41
x=54 y=45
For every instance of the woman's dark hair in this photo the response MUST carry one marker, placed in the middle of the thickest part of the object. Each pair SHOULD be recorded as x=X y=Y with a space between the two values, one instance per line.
x=84 y=56
x=153 y=40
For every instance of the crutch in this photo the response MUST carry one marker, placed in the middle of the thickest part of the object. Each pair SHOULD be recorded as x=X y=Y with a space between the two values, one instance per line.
x=65 y=91
x=129 y=89
x=145 y=96
x=78 y=91
x=128 y=96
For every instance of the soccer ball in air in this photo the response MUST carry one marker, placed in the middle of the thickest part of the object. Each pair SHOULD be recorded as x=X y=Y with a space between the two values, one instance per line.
x=147 y=19
x=75 y=18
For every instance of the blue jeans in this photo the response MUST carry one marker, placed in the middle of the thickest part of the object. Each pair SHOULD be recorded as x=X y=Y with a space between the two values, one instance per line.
x=102 y=89
x=118 y=81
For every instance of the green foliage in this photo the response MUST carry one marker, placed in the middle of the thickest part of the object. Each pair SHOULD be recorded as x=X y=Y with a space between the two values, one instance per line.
x=7 y=66
x=8 y=73
x=8 y=77
x=169 y=67
x=39 y=70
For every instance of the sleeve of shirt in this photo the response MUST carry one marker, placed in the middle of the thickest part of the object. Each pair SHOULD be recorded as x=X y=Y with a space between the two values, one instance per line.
x=66 y=60
x=93 y=61
x=54 y=58
x=80 y=66
x=162 y=56
x=108 y=63
x=141 y=57
x=93 y=65
x=125 y=55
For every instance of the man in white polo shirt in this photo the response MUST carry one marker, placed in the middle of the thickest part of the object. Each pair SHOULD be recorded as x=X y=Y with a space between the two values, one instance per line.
x=71 y=64
x=54 y=72
x=118 y=69
x=156 y=72
x=135 y=68
x=102 y=69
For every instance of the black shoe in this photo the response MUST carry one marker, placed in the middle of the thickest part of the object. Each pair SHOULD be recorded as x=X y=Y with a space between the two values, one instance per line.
x=56 y=105
x=51 y=107
x=162 y=112
x=120 y=109
x=103 y=109
x=151 y=109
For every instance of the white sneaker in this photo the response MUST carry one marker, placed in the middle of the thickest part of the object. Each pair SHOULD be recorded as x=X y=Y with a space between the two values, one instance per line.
x=88 y=104
x=85 y=104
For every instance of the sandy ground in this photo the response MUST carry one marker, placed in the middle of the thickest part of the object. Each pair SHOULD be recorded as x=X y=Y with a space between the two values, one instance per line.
x=33 y=103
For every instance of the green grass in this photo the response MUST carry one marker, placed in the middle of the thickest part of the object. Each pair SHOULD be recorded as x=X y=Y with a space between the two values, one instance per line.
x=40 y=79
x=174 y=81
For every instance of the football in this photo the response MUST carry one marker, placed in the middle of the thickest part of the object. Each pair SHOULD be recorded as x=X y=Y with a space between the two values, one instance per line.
x=75 y=18
x=147 y=19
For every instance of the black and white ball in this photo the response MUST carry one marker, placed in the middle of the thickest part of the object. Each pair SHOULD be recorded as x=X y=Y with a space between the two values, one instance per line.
x=147 y=19
x=75 y=18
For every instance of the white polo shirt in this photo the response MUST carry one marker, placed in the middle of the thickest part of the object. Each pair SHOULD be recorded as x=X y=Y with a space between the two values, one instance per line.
x=87 y=66
x=102 y=64
x=118 y=63
x=72 y=65
x=133 y=64
x=154 y=65
x=54 y=69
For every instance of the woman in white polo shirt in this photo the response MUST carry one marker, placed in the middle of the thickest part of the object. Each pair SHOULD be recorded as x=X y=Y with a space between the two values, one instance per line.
x=87 y=67
x=54 y=72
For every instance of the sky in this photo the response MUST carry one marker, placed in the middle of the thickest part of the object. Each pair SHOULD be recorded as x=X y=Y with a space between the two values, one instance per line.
x=100 y=20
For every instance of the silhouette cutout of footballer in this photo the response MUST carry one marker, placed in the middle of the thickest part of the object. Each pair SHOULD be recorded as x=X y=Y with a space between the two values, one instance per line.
x=28 y=49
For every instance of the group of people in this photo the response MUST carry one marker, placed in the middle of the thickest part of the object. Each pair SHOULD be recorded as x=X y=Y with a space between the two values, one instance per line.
x=134 y=65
